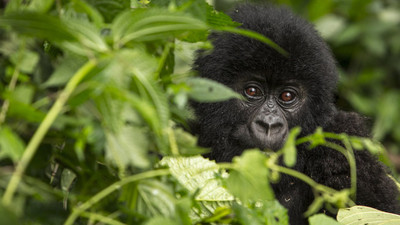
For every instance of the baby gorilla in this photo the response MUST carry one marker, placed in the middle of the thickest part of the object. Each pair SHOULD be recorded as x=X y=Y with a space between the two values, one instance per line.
x=282 y=92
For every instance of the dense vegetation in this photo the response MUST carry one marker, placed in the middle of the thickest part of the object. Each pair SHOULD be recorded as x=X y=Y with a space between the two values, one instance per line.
x=95 y=93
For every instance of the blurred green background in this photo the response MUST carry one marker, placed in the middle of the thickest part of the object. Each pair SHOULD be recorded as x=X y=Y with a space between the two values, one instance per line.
x=365 y=38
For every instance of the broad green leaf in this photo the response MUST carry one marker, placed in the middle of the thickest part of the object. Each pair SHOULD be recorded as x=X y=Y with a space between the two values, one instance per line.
x=11 y=145
x=155 y=199
x=206 y=90
x=320 y=219
x=361 y=215
x=250 y=173
x=289 y=149
x=198 y=175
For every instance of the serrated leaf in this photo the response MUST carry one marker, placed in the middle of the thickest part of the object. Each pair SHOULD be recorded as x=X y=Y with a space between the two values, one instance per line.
x=198 y=174
x=127 y=146
x=206 y=90
x=361 y=215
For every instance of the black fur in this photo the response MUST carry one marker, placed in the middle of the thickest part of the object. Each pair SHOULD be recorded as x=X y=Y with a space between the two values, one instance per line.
x=311 y=64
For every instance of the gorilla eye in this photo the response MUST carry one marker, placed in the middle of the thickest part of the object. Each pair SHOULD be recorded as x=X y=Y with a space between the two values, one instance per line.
x=287 y=96
x=253 y=92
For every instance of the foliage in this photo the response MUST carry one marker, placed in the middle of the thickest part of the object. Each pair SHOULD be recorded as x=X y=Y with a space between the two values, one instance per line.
x=94 y=93
x=360 y=215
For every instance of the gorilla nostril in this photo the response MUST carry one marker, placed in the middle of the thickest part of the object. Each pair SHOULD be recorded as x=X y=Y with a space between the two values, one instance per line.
x=274 y=128
x=269 y=127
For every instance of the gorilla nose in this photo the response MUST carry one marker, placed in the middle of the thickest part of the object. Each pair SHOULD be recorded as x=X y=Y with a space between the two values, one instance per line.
x=270 y=125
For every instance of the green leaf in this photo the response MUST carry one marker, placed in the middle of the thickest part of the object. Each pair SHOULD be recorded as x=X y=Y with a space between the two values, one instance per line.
x=256 y=36
x=155 y=199
x=263 y=212
x=206 y=90
x=127 y=146
x=160 y=220
x=251 y=174
x=87 y=34
x=67 y=179
x=11 y=145
x=319 y=219
x=64 y=71
x=289 y=149
x=40 y=5
x=8 y=216
x=152 y=24
x=198 y=174
x=187 y=143
x=219 y=19
x=110 y=9
x=361 y=215
x=38 y=25
x=87 y=9
x=25 y=61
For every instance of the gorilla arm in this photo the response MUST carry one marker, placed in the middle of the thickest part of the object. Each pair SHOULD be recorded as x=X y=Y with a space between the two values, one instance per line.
x=329 y=167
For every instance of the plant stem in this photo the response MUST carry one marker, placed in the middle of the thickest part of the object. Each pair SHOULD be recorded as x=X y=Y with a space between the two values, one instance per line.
x=6 y=102
x=306 y=179
x=105 y=192
x=42 y=130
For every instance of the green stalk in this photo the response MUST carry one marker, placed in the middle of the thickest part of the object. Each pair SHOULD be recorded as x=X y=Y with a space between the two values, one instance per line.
x=42 y=130
x=105 y=192
x=6 y=102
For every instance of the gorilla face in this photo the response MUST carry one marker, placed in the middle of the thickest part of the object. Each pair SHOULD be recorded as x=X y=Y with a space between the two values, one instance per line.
x=269 y=105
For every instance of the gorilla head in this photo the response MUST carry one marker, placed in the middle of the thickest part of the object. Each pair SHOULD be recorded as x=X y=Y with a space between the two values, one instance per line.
x=280 y=92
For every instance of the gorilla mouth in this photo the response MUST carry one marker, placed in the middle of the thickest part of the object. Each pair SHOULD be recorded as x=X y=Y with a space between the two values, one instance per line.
x=256 y=136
